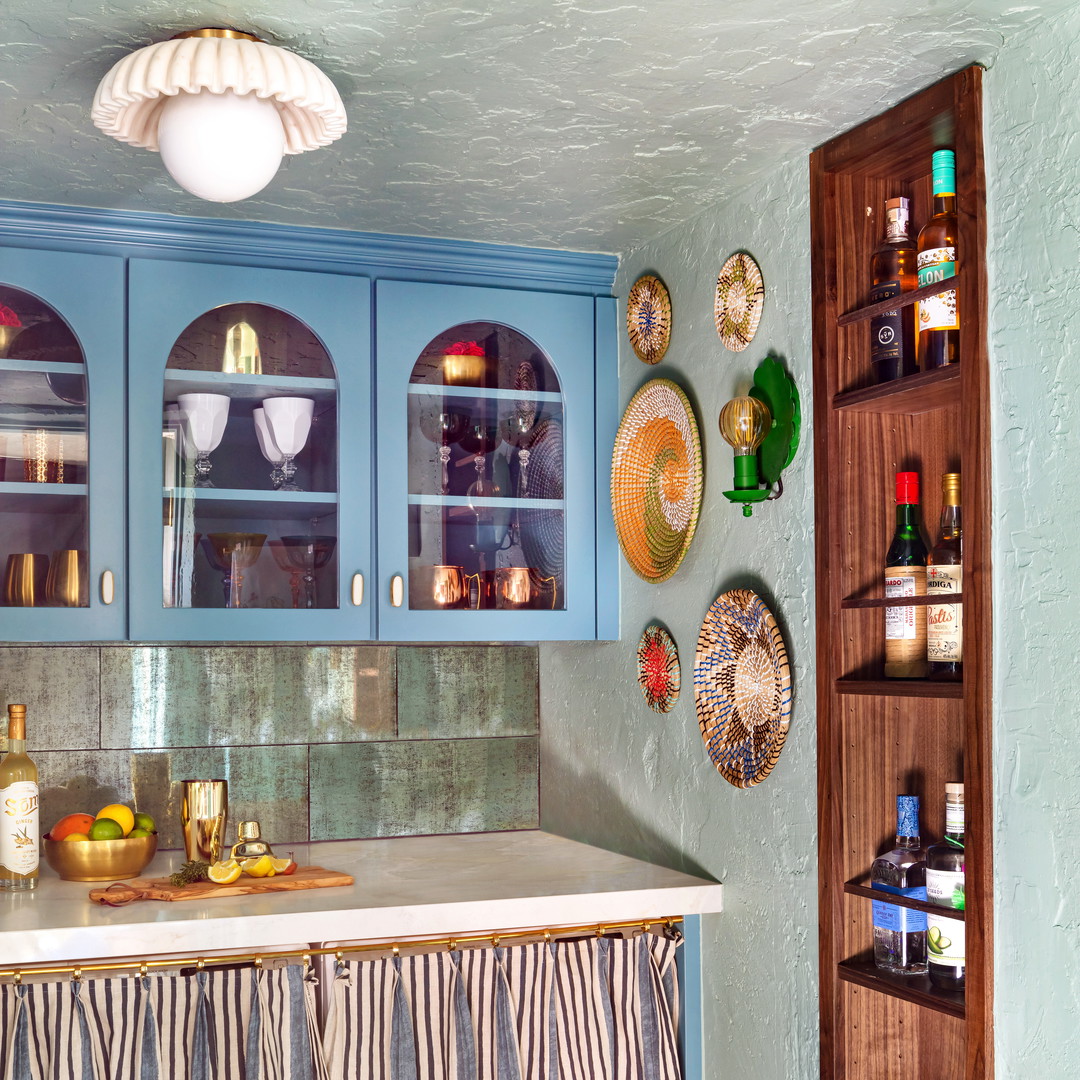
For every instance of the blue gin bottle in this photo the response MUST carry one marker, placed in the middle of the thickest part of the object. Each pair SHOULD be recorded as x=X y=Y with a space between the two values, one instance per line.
x=900 y=933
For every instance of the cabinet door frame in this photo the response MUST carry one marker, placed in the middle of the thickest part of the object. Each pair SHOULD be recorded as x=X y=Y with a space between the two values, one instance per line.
x=408 y=316
x=87 y=291
x=164 y=297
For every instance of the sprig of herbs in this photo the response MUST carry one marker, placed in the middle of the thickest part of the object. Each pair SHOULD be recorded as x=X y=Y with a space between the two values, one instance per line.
x=193 y=870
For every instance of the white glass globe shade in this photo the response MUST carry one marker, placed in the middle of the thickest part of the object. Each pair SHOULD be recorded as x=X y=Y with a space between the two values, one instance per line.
x=221 y=147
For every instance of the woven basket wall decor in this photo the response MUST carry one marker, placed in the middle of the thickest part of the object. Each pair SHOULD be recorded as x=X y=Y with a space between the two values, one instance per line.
x=656 y=480
x=648 y=318
x=659 y=675
x=740 y=296
x=742 y=687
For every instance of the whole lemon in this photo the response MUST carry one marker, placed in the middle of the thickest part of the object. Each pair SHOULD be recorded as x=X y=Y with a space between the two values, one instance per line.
x=76 y=836
x=119 y=813
x=106 y=829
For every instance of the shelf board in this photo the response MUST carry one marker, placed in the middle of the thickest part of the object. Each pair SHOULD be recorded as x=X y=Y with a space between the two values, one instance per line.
x=859 y=602
x=915 y=688
x=466 y=503
x=863 y=314
x=18 y=497
x=926 y=391
x=859 y=887
x=244 y=504
x=500 y=393
x=247 y=388
x=914 y=988
x=39 y=367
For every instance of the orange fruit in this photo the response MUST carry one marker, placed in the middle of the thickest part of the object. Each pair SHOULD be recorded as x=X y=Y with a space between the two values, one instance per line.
x=119 y=813
x=73 y=823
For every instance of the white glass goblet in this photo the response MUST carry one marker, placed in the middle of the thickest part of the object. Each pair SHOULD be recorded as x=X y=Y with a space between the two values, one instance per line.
x=205 y=416
x=289 y=421
x=268 y=447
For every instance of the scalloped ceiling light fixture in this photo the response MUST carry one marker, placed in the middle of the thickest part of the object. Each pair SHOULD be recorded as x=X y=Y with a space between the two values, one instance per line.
x=222 y=108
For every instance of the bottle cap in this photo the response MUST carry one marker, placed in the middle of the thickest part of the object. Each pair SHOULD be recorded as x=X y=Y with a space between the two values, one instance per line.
x=944 y=172
x=907 y=815
x=897 y=204
x=907 y=487
x=16 y=710
x=954 y=789
x=950 y=488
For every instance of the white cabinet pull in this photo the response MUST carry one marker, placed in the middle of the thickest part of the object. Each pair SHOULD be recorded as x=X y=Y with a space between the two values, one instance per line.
x=357 y=589
x=108 y=587
x=397 y=590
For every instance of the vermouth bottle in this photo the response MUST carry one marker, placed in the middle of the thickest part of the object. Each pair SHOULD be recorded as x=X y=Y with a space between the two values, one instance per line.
x=893 y=270
x=945 y=888
x=18 y=809
x=905 y=575
x=899 y=932
x=938 y=320
x=944 y=577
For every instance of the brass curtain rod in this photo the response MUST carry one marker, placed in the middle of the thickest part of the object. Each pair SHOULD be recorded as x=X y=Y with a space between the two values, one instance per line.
x=450 y=942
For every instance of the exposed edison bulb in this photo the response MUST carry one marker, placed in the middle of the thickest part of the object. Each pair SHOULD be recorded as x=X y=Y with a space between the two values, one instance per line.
x=744 y=423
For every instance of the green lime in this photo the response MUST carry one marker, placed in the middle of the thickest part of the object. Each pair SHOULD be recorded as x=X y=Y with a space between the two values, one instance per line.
x=145 y=822
x=138 y=832
x=106 y=829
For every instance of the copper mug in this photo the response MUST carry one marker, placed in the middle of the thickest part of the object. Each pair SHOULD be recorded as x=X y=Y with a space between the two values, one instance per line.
x=438 y=587
x=24 y=579
x=65 y=585
x=514 y=587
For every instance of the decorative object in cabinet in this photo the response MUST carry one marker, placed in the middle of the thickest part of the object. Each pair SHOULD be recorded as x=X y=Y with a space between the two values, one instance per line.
x=742 y=687
x=740 y=296
x=656 y=480
x=658 y=668
x=648 y=318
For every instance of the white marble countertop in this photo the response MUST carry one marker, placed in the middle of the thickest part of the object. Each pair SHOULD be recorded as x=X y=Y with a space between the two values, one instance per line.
x=407 y=887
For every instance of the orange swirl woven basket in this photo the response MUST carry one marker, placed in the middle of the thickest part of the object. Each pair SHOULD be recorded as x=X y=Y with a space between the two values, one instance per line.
x=656 y=480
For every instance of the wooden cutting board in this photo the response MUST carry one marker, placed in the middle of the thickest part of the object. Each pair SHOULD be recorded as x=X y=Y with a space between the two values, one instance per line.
x=305 y=877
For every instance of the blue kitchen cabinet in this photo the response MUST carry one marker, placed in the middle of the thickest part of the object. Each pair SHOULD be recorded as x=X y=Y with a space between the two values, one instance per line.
x=493 y=432
x=249 y=435
x=61 y=446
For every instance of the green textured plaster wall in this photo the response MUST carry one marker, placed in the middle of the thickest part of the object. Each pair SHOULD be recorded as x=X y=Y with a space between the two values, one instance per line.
x=617 y=774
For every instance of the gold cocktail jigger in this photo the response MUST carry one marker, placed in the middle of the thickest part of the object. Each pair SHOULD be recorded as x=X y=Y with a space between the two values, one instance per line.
x=203 y=813
x=66 y=584
x=24 y=579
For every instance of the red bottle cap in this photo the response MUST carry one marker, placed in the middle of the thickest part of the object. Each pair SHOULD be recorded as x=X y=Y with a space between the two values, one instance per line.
x=907 y=487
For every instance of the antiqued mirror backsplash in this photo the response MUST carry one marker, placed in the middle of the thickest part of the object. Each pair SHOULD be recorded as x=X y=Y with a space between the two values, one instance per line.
x=317 y=743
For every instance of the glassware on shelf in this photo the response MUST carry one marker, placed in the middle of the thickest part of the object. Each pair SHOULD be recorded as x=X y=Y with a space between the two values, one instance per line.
x=43 y=457
x=301 y=557
x=65 y=584
x=444 y=427
x=289 y=421
x=438 y=587
x=205 y=417
x=269 y=448
x=515 y=587
x=481 y=438
x=24 y=579
x=230 y=553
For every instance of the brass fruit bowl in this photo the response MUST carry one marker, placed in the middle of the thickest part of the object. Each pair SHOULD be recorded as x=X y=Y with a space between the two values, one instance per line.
x=100 y=860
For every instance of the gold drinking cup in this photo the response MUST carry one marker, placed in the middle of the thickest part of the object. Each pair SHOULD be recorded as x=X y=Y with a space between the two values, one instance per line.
x=203 y=813
x=65 y=585
x=24 y=579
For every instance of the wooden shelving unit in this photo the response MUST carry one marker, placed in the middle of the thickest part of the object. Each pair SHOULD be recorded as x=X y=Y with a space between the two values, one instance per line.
x=877 y=737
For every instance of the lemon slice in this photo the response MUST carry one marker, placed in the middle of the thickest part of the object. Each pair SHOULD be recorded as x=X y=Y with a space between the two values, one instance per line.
x=224 y=872
x=263 y=866
x=283 y=866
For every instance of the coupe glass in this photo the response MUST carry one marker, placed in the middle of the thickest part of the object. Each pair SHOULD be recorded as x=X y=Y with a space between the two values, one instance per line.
x=269 y=448
x=230 y=553
x=301 y=557
x=205 y=416
x=289 y=421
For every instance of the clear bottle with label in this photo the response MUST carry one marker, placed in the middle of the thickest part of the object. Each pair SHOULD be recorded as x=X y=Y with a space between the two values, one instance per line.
x=905 y=575
x=944 y=577
x=893 y=270
x=19 y=831
x=945 y=938
x=899 y=932
x=938 y=317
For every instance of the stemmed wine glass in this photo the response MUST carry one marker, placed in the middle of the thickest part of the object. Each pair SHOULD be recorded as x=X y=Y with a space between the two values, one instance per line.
x=205 y=416
x=268 y=447
x=444 y=427
x=481 y=438
x=289 y=423
x=300 y=557
x=230 y=553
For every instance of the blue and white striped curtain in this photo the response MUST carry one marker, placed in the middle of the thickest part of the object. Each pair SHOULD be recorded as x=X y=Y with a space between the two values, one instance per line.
x=587 y=1009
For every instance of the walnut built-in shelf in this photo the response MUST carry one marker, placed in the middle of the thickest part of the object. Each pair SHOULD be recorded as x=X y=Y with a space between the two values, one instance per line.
x=918 y=989
x=926 y=391
x=912 y=688
x=861 y=602
x=868 y=311
x=859 y=887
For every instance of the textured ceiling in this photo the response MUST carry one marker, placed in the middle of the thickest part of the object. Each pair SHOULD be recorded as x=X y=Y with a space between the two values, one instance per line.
x=582 y=124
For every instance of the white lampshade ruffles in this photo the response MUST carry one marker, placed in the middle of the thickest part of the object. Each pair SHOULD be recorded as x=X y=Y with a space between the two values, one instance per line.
x=223 y=70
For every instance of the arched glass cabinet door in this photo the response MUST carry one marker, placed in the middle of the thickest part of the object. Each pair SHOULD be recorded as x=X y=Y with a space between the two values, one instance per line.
x=250 y=541
x=491 y=534
x=61 y=525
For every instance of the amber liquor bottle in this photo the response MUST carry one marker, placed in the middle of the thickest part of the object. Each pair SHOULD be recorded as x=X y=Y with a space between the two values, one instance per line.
x=893 y=270
x=938 y=318
x=944 y=577
x=905 y=576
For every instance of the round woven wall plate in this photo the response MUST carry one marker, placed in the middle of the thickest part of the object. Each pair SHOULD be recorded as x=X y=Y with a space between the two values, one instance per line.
x=656 y=480
x=658 y=668
x=742 y=687
x=740 y=296
x=648 y=318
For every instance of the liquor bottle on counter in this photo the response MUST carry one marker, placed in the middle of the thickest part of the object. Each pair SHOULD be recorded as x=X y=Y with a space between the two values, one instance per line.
x=944 y=576
x=938 y=318
x=905 y=575
x=18 y=809
x=899 y=932
x=945 y=889
x=893 y=270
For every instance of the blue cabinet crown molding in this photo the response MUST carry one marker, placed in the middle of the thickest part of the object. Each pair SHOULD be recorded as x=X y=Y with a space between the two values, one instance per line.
x=424 y=258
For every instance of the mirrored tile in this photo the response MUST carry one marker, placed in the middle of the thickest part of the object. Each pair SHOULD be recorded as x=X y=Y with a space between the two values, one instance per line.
x=59 y=687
